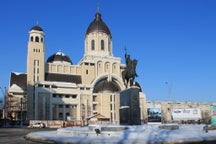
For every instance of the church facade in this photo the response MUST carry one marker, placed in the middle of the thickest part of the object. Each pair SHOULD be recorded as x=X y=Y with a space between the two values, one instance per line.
x=57 y=89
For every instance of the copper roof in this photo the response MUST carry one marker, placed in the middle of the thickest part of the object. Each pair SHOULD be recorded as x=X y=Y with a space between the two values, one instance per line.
x=60 y=57
x=37 y=28
x=98 y=25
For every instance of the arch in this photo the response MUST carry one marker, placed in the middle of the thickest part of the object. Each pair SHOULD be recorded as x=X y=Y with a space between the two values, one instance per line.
x=107 y=67
x=107 y=86
x=109 y=45
x=114 y=68
x=100 y=67
x=112 y=77
x=102 y=45
x=92 y=44
x=36 y=39
x=32 y=39
x=41 y=39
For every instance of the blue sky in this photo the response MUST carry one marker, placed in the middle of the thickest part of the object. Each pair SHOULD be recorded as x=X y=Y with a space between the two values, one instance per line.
x=174 y=41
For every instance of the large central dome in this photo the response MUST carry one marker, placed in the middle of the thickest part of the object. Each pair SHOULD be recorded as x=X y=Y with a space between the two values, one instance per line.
x=98 y=26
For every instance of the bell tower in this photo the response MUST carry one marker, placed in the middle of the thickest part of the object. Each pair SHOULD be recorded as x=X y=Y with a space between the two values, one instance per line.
x=35 y=64
x=98 y=38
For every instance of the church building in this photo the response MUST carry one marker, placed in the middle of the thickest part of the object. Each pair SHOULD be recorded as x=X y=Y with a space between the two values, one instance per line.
x=58 y=89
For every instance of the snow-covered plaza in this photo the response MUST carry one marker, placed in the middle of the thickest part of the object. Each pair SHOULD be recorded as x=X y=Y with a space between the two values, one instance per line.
x=149 y=133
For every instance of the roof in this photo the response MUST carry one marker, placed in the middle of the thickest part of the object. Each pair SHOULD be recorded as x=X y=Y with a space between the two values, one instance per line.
x=98 y=116
x=37 y=28
x=59 y=57
x=18 y=79
x=63 y=78
x=97 y=25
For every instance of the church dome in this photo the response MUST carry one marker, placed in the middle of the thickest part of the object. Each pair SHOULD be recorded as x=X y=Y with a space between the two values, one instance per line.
x=59 y=57
x=98 y=26
x=37 y=28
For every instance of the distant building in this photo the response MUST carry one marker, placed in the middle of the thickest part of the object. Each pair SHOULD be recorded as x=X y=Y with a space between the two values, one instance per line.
x=58 y=89
x=168 y=107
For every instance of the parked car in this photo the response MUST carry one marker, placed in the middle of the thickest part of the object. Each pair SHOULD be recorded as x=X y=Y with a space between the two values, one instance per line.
x=38 y=125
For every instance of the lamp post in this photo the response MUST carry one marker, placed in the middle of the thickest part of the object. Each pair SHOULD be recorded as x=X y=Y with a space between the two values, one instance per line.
x=4 y=110
x=1 y=104
x=21 y=112
x=169 y=86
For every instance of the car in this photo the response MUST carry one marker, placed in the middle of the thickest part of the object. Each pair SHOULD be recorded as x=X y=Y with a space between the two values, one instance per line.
x=38 y=125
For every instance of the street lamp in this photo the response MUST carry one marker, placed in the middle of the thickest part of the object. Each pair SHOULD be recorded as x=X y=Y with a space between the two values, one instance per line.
x=169 y=98
x=169 y=90
x=21 y=112
x=1 y=105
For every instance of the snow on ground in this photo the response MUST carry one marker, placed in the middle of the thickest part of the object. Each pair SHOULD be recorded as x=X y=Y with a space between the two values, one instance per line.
x=135 y=134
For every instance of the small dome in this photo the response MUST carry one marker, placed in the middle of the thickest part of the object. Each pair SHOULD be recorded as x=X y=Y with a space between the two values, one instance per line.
x=98 y=26
x=37 y=28
x=59 y=57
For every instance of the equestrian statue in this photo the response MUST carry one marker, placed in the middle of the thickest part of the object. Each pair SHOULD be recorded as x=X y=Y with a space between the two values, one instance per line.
x=129 y=73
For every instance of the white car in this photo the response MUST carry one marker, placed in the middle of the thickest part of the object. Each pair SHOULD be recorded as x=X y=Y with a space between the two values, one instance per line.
x=38 y=125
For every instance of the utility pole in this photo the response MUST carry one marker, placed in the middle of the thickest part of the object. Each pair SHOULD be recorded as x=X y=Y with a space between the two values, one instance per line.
x=169 y=98
x=169 y=86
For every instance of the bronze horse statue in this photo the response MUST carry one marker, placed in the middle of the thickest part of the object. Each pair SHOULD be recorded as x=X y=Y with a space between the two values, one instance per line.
x=129 y=74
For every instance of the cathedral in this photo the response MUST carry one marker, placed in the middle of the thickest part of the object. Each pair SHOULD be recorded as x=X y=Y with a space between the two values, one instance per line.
x=58 y=89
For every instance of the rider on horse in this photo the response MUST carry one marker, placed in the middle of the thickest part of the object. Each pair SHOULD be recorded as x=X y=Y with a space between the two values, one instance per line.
x=129 y=73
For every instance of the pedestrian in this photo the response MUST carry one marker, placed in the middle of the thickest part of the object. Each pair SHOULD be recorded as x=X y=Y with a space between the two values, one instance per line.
x=205 y=128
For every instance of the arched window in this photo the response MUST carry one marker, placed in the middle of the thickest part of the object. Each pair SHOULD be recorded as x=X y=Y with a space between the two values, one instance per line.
x=109 y=45
x=92 y=44
x=32 y=38
x=102 y=44
x=37 y=39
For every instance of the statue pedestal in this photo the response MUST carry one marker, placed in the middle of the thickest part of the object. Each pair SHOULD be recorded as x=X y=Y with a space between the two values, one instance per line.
x=130 y=107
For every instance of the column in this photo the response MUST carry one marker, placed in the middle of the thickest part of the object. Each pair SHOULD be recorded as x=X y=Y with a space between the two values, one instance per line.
x=44 y=107
x=86 y=108
x=78 y=108
x=51 y=107
x=113 y=108
x=36 y=104
x=63 y=111
x=57 y=111
x=71 y=111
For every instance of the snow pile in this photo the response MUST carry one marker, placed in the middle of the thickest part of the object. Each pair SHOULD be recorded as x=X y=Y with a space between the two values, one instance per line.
x=135 y=134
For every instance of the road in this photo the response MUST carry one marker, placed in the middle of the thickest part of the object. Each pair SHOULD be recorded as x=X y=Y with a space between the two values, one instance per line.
x=16 y=135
